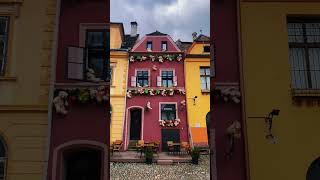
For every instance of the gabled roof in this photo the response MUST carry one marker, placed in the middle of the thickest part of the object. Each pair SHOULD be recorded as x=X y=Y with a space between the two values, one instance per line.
x=183 y=46
x=156 y=33
x=202 y=38
x=129 y=41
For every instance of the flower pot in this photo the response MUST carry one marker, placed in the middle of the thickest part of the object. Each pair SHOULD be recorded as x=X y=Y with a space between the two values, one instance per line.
x=148 y=160
x=195 y=160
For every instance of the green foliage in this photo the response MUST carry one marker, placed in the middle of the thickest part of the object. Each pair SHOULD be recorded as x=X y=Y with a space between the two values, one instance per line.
x=195 y=153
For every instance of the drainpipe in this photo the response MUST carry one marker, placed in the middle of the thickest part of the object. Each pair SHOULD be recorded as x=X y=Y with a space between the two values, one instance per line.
x=125 y=104
x=51 y=84
x=243 y=108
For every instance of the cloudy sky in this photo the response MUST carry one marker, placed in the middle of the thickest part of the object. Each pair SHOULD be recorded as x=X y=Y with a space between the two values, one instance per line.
x=178 y=18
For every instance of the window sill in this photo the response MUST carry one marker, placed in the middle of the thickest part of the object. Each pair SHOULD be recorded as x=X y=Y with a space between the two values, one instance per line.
x=205 y=91
x=12 y=79
x=305 y=92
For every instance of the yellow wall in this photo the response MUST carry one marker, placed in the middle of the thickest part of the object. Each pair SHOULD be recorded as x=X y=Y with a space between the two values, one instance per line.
x=196 y=113
x=119 y=63
x=116 y=36
x=24 y=89
x=267 y=85
x=197 y=48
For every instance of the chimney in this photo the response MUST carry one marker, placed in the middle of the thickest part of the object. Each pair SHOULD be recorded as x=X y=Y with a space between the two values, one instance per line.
x=134 y=29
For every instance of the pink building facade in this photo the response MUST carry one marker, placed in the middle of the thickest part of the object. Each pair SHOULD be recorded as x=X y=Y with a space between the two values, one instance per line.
x=155 y=107
x=79 y=125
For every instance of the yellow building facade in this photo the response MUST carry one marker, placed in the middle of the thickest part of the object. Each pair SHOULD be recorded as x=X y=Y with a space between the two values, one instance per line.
x=197 y=84
x=27 y=33
x=268 y=81
x=119 y=70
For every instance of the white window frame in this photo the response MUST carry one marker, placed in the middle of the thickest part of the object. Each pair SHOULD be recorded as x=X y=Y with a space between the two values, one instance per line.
x=175 y=103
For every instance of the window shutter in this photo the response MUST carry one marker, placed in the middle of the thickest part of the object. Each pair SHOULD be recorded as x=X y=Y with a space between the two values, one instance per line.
x=133 y=81
x=75 y=60
x=175 y=81
x=159 y=81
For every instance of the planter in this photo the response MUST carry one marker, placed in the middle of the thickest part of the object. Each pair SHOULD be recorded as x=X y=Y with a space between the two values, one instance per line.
x=195 y=160
x=148 y=160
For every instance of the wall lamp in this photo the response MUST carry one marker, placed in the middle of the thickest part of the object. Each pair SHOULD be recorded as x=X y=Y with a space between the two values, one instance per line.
x=268 y=119
x=194 y=100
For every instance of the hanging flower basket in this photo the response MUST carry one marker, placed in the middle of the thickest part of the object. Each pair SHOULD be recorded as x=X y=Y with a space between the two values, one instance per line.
x=169 y=123
x=159 y=58
x=148 y=91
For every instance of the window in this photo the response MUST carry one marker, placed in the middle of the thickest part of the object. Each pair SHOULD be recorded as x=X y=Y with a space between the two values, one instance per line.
x=96 y=43
x=206 y=49
x=3 y=159
x=149 y=45
x=167 y=78
x=205 y=78
x=4 y=29
x=304 y=53
x=164 y=46
x=142 y=78
x=168 y=112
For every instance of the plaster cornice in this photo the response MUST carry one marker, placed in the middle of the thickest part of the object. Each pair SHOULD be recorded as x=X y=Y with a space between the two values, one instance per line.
x=23 y=108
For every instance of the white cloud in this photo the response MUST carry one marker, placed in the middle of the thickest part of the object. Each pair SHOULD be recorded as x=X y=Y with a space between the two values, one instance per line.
x=177 y=18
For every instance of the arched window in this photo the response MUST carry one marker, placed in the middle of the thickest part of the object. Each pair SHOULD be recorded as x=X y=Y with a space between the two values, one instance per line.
x=314 y=170
x=3 y=159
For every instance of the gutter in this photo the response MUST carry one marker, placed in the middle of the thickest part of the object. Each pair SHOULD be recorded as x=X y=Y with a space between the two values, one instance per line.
x=243 y=107
x=125 y=105
x=51 y=84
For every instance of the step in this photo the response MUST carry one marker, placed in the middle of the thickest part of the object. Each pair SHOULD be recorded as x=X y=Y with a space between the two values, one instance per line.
x=164 y=162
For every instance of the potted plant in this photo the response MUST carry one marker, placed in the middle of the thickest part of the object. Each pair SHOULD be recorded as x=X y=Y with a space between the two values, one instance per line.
x=195 y=154
x=149 y=155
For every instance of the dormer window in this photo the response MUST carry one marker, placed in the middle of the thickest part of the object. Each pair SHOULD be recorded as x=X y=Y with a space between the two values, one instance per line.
x=206 y=49
x=164 y=45
x=149 y=46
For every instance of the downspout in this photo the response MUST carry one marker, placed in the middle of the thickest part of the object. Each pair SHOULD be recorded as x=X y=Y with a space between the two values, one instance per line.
x=242 y=90
x=125 y=102
x=51 y=84
x=186 y=99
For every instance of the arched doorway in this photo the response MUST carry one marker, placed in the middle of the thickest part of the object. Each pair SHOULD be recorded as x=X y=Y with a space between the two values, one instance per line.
x=82 y=164
x=314 y=170
x=135 y=124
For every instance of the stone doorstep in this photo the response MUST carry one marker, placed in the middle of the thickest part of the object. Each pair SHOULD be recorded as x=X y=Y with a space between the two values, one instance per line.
x=164 y=162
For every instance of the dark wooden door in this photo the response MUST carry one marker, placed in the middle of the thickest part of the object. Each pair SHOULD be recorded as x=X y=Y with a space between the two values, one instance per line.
x=169 y=135
x=83 y=165
x=135 y=124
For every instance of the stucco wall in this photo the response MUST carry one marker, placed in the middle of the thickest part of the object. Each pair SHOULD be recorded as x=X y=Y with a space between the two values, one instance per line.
x=24 y=89
x=119 y=62
x=72 y=14
x=267 y=85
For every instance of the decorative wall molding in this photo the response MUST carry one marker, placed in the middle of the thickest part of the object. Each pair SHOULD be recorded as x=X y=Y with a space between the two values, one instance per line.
x=228 y=91
x=10 y=7
x=27 y=108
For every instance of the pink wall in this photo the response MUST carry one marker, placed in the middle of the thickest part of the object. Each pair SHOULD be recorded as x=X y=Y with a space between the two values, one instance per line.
x=156 y=44
x=151 y=126
x=177 y=66
x=227 y=70
x=83 y=122
x=70 y=18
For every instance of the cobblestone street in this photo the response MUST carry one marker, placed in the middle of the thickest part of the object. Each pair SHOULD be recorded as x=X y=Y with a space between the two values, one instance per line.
x=142 y=171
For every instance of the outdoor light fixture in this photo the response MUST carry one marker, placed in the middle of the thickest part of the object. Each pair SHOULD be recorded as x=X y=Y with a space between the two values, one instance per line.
x=194 y=100
x=268 y=119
